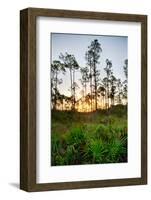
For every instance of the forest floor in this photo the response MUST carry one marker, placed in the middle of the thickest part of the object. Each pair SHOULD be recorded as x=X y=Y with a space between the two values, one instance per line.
x=89 y=138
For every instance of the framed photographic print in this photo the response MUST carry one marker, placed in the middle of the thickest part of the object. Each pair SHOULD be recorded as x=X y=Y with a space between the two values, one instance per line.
x=83 y=99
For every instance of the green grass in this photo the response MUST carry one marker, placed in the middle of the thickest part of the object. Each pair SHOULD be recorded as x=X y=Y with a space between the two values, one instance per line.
x=89 y=138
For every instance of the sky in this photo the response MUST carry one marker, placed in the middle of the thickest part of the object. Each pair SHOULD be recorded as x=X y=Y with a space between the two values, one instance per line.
x=114 y=48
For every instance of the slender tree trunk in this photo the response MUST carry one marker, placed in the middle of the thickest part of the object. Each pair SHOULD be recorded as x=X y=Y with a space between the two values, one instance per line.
x=71 y=87
x=82 y=100
x=113 y=99
x=74 y=89
x=71 y=80
x=95 y=87
x=85 y=89
x=108 y=92
x=101 y=101
x=52 y=80
x=107 y=98
x=55 y=99
x=90 y=88
x=119 y=96
x=104 y=101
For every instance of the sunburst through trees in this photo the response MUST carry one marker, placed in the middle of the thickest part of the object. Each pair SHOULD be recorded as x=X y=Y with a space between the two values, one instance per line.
x=89 y=100
x=96 y=92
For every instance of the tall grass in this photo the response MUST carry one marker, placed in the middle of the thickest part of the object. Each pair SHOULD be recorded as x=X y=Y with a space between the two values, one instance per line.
x=90 y=143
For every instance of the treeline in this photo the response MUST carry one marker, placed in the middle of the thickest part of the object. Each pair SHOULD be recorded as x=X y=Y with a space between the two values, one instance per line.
x=96 y=93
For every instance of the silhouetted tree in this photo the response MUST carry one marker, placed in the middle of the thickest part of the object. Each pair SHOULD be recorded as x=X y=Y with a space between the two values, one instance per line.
x=105 y=85
x=108 y=70
x=84 y=78
x=113 y=88
x=70 y=63
x=119 y=88
x=92 y=57
x=102 y=92
x=125 y=67
x=88 y=58
x=56 y=68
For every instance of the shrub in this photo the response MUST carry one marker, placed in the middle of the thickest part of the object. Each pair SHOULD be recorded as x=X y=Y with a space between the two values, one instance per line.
x=76 y=136
x=59 y=160
x=87 y=141
x=102 y=132
x=115 y=149
x=70 y=155
x=96 y=151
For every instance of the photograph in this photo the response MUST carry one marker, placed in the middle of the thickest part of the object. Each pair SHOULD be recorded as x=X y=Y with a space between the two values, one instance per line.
x=89 y=99
x=83 y=99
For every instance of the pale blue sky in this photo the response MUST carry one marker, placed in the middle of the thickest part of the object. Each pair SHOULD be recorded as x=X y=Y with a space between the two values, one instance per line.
x=114 y=48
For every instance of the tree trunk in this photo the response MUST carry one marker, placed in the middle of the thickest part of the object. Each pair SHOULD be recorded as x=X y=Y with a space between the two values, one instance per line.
x=71 y=88
x=108 y=92
x=55 y=100
x=74 y=89
x=85 y=89
x=95 y=90
x=91 y=88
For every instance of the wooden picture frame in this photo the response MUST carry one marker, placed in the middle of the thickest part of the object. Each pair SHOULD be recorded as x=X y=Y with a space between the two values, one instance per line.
x=28 y=98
